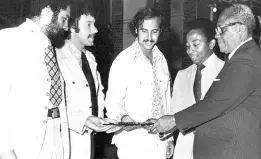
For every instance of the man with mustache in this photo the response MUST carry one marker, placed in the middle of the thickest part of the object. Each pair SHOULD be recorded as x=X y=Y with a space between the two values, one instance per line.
x=33 y=116
x=84 y=96
x=139 y=90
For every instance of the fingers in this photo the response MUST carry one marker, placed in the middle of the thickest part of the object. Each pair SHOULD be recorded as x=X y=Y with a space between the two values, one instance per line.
x=153 y=129
x=114 y=129
x=170 y=149
x=109 y=120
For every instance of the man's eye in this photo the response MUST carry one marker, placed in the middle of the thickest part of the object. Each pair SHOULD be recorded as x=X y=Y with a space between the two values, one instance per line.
x=143 y=30
x=195 y=45
x=155 y=31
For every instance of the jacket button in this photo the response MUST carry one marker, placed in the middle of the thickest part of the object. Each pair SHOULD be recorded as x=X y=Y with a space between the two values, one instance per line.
x=73 y=82
x=47 y=94
x=87 y=85
x=45 y=108
x=44 y=121
x=48 y=80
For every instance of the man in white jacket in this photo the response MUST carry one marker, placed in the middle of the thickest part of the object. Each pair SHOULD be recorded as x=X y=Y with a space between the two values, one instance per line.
x=200 y=44
x=33 y=115
x=84 y=96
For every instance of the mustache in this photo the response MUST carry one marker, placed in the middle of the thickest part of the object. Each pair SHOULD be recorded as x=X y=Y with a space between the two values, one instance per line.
x=147 y=40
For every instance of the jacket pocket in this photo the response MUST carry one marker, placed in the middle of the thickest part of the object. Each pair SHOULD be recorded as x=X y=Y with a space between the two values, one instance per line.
x=219 y=133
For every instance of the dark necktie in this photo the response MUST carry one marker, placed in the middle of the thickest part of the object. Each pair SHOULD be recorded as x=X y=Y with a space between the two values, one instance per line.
x=88 y=75
x=197 y=82
x=54 y=72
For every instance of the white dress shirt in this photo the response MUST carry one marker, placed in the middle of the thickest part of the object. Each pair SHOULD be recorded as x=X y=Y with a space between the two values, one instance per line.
x=183 y=97
x=130 y=91
x=25 y=86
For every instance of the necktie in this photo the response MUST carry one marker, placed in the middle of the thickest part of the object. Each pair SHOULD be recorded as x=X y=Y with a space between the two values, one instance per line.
x=54 y=72
x=88 y=75
x=197 y=82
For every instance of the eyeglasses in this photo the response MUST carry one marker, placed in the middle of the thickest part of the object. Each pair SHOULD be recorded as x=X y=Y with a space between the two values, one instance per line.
x=222 y=29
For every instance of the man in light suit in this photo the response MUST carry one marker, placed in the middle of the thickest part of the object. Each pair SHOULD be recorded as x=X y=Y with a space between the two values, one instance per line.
x=33 y=115
x=200 y=44
x=227 y=121
x=84 y=98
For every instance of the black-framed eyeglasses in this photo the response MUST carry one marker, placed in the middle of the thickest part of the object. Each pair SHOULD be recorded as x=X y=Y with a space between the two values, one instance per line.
x=222 y=29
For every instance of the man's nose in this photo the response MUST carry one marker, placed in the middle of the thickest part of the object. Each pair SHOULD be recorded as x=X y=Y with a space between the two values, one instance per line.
x=65 y=27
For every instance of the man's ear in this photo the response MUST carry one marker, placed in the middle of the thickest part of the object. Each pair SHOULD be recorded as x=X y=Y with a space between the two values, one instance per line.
x=242 y=29
x=212 y=44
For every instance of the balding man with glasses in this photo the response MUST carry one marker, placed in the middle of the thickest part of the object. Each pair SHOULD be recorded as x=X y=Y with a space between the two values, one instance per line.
x=227 y=122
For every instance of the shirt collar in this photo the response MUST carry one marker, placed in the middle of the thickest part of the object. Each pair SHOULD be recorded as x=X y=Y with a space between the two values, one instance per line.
x=209 y=61
x=157 y=55
x=233 y=52
x=73 y=49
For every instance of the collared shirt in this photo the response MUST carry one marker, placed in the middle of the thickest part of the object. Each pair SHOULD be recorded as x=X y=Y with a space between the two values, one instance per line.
x=130 y=91
x=75 y=51
x=235 y=49
x=131 y=83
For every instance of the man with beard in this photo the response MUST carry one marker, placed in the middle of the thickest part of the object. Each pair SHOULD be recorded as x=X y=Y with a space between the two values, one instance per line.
x=139 y=90
x=227 y=121
x=33 y=117
x=84 y=96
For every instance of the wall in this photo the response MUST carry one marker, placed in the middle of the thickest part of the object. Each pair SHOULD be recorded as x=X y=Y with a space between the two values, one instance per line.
x=130 y=8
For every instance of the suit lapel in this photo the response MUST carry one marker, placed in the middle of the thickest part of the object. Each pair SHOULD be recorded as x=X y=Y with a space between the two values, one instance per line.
x=93 y=67
x=69 y=61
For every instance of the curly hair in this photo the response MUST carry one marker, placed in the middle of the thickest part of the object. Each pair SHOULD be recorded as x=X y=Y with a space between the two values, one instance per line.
x=144 y=14
x=37 y=7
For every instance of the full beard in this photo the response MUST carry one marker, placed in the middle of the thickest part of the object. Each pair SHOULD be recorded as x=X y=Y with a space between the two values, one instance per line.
x=58 y=38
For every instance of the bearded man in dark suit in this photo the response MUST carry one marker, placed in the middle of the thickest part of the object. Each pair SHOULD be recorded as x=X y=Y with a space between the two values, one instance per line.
x=227 y=121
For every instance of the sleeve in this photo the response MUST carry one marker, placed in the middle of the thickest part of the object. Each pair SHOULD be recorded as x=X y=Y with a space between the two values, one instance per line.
x=6 y=107
x=101 y=97
x=236 y=84
x=117 y=87
x=77 y=116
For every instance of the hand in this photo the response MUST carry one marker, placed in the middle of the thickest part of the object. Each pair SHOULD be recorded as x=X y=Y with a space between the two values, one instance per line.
x=96 y=124
x=114 y=128
x=164 y=124
x=151 y=120
x=170 y=149
x=127 y=118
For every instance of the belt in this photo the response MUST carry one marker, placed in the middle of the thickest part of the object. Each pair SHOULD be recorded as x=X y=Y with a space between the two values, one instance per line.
x=54 y=113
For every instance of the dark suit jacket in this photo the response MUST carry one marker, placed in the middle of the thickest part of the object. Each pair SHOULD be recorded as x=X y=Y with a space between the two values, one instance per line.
x=227 y=122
